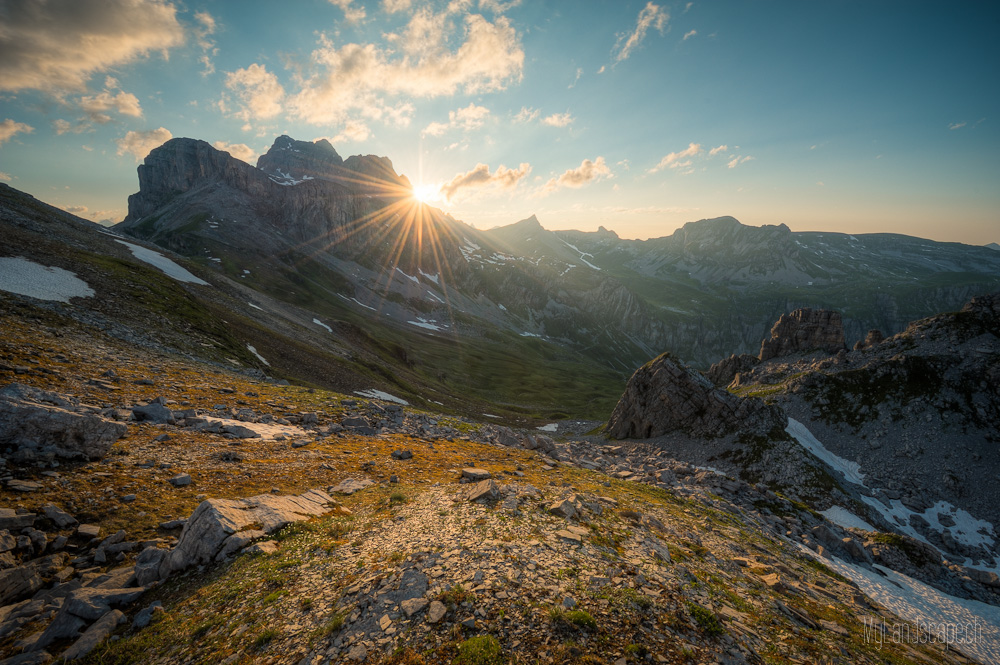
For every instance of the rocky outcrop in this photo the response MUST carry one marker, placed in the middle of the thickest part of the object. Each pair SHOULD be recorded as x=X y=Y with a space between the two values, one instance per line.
x=290 y=159
x=804 y=330
x=37 y=424
x=726 y=370
x=873 y=338
x=664 y=396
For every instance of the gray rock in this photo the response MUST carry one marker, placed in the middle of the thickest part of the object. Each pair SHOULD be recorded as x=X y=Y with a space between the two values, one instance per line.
x=18 y=485
x=90 y=604
x=413 y=605
x=59 y=517
x=475 y=475
x=89 y=530
x=804 y=330
x=180 y=480
x=241 y=432
x=147 y=565
x=485 y=491
x=22 y=581
x=30 y=658
x=402 y=454
x=145 y=616
x=436 y=611
x=154 y=412
x=358 y=653
x=351 y=485
x=11 y=520
x=563 y=508
x=94 y=635
x=237 y=542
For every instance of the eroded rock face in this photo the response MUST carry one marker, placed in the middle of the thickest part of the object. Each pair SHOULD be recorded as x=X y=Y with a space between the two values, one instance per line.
x=873 y=338
x=41 y=424
x=664 y=396
x=723 y=372
x=804 y=330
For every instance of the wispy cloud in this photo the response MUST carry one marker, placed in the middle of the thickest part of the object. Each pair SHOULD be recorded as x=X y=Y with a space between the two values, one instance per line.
x=689 y=34
x=10 y=128
x=354 y=131
x=237 y=150
x=558 y=120
x=588 y=171
x=57 y=46
x=466 y=119
x=393 y=6
x=139 y=144
x=678 y=160
x=736 y=161
x=956 y=125
x=352 y=12
x=717 y=149
x=480 y=177
x=527 y=115
x=6 y=177
x=203 y=32
x=651 y=16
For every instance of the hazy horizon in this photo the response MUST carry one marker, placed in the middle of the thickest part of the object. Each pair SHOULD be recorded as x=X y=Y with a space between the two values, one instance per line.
x=635 y=116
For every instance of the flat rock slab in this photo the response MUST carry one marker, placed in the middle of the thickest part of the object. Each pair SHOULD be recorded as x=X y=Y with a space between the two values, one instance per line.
x=484 y=491
x=475 y=475
x=23 y=485
x=351 y=485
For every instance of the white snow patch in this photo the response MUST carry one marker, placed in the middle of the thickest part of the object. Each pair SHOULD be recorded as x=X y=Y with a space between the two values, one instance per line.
x=528 y=334
x=409 y=277
x=843 y=517
x=162 y=263
x=502 y=308
x=551 y=427
x=434 y=278
x=362 y=304
x=801 y=433
x=246 y=272
x=429 y=325
x=27 y=278
x=967 y=528
x=320 y=323
x=372 y=393
x=433 y=296
x=974 y=626
x=259 y=357
x=582 y=254
x=255 y=306
x=490 y=415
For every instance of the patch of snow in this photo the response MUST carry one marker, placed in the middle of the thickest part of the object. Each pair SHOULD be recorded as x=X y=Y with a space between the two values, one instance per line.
x=429 y=325
x=502 y=308
x=582 y=254
x=967 y=528
x=413 y=279
x=259 y=357
x=845 y=518
x=214 y=259
x=27 y=278
x=320 y=323
x=490 y=415
x=266 y=430
x=551 y=427
x=433 y=296
x=372 y=393
x=973 y=627
x=362 y=304
x=528 y=334
x=434 y=278
x=163 y=264
x=434 y=401
x=255 y=306
x=801 y=433
x=246 y=272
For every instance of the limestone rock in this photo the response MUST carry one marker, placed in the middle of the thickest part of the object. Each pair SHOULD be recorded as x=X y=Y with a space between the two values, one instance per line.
x=351 y=485
x=484 y=491
x=475 y=475
x=94 y=635
x=726 y=370
x=39 y=424
x=436 y=611
x=873 y=338
x=22 y=581
x=664 y=396
x=804 y=330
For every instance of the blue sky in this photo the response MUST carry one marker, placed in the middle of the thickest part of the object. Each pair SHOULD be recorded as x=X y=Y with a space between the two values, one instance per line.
x=638 y=116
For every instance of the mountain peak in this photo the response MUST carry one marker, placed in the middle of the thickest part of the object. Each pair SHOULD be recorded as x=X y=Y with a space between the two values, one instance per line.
x=291 y=159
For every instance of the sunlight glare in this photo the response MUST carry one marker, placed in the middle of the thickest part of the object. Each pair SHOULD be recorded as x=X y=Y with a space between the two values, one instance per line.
x=426 y=193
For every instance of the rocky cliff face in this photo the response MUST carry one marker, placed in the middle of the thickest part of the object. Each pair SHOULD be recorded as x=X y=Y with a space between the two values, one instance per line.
x=665 y=396
x=804 y=330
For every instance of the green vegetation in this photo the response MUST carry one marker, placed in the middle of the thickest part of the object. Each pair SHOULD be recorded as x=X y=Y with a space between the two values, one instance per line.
x=706 y=620
x=481 y=650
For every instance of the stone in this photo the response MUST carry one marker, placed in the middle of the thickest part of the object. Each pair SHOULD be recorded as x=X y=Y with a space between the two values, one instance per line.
x=436 y=611
x=351 y=485
x=91 y=603
x=145 y=616
x=357 y=653
x=873 y=338
x=38 y=424
x=154 y=412
x=59 y=517
x=665 y=396
x=89 y=530
x=147 y=565
x=94 y=635
x=482 y=492
x=475 y=475
x=413 y=605
x=170 y=525
x=402 y=454
x=11 y=520
x=29 y=658
x=804 y=330
x=241 y=432
x=263 y=547
x=563 y=508
x=23 y=581
x=569 y=602
x=180 y=480
x=724 y=372
x=237 y=542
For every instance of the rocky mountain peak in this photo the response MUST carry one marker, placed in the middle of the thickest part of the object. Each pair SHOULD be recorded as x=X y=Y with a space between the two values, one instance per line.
x=291 y=159
x=804 y=330
x=665 y=396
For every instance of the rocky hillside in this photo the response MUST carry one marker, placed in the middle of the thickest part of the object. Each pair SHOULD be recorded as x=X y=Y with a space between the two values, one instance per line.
x=221 y=519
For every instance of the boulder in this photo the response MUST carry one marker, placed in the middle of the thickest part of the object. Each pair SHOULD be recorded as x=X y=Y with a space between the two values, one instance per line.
x=351 y=485
x=484 y=491
x=664 y=396
x=39 y=424
x=802 y=331
x=94 y=635
x=22 y=581
x=873 y=338
x=154 y=412
x=475 y=475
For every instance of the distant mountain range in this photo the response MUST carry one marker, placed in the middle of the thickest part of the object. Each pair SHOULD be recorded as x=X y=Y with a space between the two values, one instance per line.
x=351 y=228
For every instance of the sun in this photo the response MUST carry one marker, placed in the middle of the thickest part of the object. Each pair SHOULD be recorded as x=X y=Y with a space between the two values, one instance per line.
x=425 y=193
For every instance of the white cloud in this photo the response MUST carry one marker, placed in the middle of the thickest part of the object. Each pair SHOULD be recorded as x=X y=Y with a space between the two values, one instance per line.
x=353 y=131
x=6 y=177
x=716 y=150
x=651 y=16
x=588 y=171
x=956 y=125
x=579 y=73
x=58 y=45
x=96 y=106
x=76 y=210
x=558 y=120
x=467 y=119
x=9 y=128
x=689 y=34
x=139 y=144
x=352 y=13
x=436 y=55
x=675 y=160
x=736 y=161
x=66 y=127
x=480 y=177
x=259 y=93
x=527 y=115
x=203 y=31
x=237 y=150
x=393 y=6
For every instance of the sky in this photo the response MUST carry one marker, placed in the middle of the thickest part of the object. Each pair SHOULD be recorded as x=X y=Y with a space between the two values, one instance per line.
x=857 y=117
